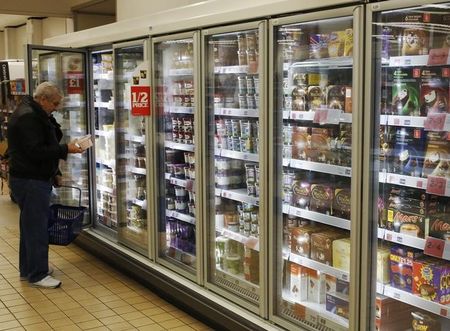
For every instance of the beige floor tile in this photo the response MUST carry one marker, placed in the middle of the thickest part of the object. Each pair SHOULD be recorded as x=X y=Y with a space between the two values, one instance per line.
x=116 y=304
x=7 y=318
x=111 y=320
x=104 y=313
x=71 y=327
x=60 y=322
x=38 y=327
x=16 y=302
x=26 y=313
x=121 y=326
x=124 y=309
x=182 y=328
x=198 y=326
x=141 y=321
x=153 y=311
x=132 y=316
x=161 y=317
x=31 y=320
x=101 y=328
x=144 y=306
x=173 y=323
x=19 y=328
x=82 y=318
x=151 y=327
x=4 y=311
x=90 y=324
x=9 y=325
x=92 y=308
x=53 y=316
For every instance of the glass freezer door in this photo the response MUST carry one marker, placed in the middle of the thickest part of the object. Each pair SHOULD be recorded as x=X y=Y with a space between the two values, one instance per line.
x=313 y=72
x=103 y=88
x=67 y=69
x=411 y=167
x=233 y=111
x=131 y=79
x=175 y=82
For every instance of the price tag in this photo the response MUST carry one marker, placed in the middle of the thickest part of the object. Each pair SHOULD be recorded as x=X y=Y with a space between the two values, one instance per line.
x=434 y=247
x=437 y=122
x=438 y=185
x=444 y=312
x=320 y=116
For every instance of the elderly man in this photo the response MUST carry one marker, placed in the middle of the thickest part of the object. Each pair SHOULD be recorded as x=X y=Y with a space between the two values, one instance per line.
x=35 y=151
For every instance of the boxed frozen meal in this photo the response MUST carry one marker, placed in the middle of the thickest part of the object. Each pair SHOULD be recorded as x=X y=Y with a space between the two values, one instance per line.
x=301 y=239
x=383 y=266
x=434 y=90
x=321 y=198
x=301 y=142
x=341 y=202
x=424 y=322
x=439 y=226
x=341 y=254
x=316 y=286
x=430 y=279
x=337 y=304
x=405 y=91
x=298 y=282
x=408 y=153
x=401 y=263
x=322 y=245
x=437 y=155
x=336 y=97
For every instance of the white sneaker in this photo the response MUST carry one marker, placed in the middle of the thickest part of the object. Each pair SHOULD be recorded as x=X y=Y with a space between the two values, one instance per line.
x=49 y=273
x=47 y=282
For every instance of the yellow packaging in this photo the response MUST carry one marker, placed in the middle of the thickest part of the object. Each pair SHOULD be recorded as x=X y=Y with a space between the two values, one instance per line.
x=383 y=265
x=341 y=254
x=348 y=43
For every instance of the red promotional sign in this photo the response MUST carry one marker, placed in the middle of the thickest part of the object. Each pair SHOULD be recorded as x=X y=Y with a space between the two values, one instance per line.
x=75 y=82
x=434 y=247
x=140 y=100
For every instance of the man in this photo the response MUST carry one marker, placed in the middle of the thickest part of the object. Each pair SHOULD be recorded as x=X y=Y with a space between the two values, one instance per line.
x=34 y=152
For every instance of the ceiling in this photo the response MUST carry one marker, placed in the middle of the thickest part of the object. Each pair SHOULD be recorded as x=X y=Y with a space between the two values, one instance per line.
x=10 y=10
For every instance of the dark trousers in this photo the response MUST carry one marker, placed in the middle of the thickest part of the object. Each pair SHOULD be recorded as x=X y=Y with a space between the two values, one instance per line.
x=33 y=198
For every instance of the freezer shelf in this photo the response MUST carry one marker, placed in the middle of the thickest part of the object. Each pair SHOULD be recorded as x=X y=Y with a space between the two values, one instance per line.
x=323 y=268
x=319 y=167
x=416 y=301
x=318 y=217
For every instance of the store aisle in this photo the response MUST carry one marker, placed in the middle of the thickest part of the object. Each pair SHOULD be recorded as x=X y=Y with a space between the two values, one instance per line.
x=94 y=296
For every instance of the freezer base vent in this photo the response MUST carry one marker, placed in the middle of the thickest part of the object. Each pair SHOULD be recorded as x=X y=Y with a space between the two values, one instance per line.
x=237 y=289
x=289 y=314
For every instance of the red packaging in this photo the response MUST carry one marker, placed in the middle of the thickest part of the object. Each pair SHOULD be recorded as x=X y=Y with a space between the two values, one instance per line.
x=430 y=279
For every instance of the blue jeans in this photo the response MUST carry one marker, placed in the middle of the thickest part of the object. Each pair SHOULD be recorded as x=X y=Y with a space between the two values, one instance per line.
x=33 y=198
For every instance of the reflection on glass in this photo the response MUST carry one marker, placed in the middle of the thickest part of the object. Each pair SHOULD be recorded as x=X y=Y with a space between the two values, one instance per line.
x=313 y=86
x=411 y=158
x=131 y=71
x=175 y=104
x=233 y=173
x=67 y=70
x=103 y=88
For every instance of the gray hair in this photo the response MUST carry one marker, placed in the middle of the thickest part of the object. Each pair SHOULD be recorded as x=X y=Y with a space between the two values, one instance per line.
x=47 y=90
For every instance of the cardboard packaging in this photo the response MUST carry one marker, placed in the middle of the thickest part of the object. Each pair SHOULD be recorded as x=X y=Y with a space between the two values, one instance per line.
x=430 y=279
x=322 y=245
x=401 y=264
x=341 y=254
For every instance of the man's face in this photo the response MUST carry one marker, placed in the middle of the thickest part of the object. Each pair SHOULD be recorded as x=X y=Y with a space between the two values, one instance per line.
x=50 y=104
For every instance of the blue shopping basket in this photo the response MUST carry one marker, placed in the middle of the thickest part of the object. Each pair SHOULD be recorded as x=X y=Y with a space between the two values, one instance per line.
x=65 y=222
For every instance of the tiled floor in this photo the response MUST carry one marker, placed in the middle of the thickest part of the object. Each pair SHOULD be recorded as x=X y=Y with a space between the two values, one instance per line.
x=93 y=296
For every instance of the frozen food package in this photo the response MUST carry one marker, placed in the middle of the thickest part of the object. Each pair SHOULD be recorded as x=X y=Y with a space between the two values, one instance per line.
x=336 y=97
x=318 y=45
x=348 y=42
x=316 y=97
x=336 y=43
x=424 y=322
x=434 y=91
x=405 y=92
x=408 y=151
x=437 y=155
x=415 y=41
x=301 y=142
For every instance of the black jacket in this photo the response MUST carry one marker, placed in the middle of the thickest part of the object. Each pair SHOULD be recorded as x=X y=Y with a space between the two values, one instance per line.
x=33 y=142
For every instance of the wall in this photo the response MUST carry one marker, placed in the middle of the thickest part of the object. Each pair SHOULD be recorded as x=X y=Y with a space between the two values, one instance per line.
x=127 y=9
x=86 y=21
x=2 y=45
x=20 y=41
x=54 y=26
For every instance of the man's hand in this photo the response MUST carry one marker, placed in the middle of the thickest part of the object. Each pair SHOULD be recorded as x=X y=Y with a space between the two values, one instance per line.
x=57 y=182
x=73 y=147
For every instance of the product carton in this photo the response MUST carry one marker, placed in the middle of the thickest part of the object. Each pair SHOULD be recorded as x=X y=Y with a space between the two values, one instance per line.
x=298 y=282
x=322 y=245
x=337 y=304
x=401 y=263
x=383 y=265
x=316 y=286
x=430 y=279
x=341 y=254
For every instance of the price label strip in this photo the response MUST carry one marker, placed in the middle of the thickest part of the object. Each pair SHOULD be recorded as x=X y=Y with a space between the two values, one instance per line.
x=437 y=122
x=437 y=247
x=438 y=185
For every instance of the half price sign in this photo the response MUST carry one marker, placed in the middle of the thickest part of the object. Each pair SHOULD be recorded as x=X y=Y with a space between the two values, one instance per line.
x=140 y=100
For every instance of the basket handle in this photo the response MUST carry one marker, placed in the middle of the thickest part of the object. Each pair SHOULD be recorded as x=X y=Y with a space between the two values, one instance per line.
x=76 y=188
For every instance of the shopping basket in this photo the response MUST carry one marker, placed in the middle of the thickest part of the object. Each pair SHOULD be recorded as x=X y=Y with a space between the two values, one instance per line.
x=65 y=222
